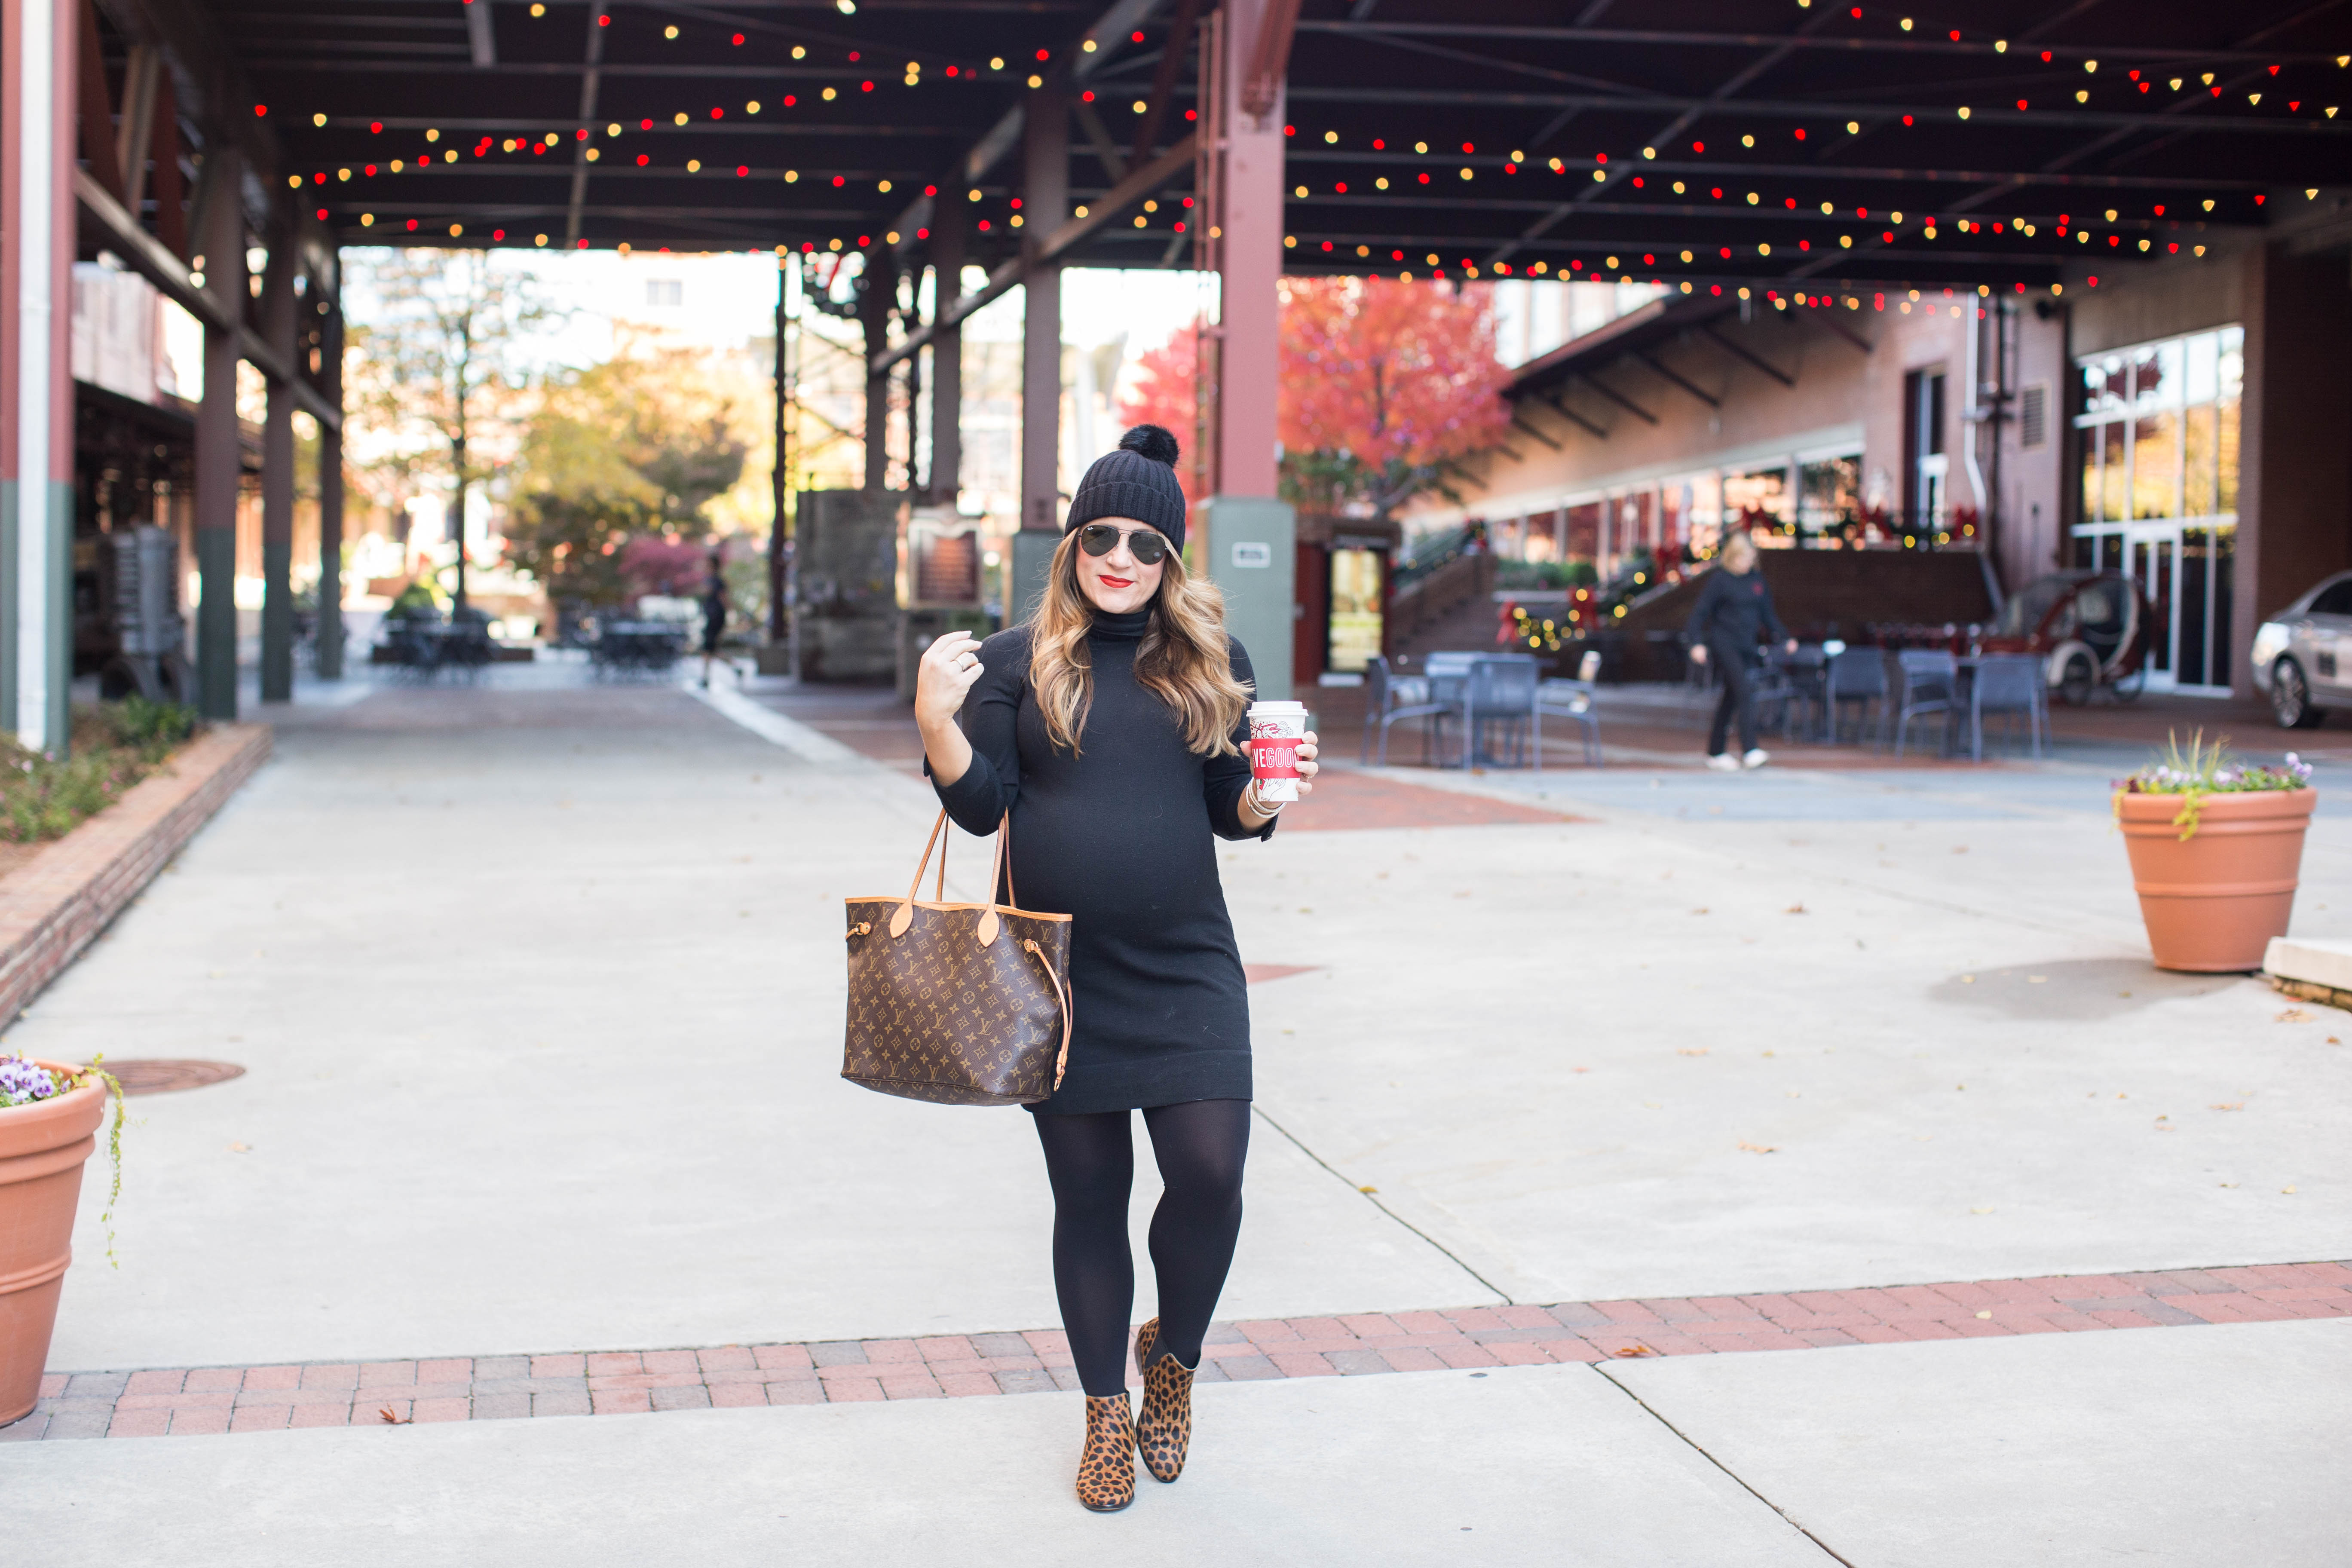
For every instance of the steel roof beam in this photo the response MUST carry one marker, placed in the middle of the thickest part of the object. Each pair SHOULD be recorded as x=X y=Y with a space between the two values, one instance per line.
x=1738 y=352
x=591 y=77
x=1881 y=171
x=1814 y=109
x=1678 y=379
x=1557 y=404
x=1910 y=45
x=120 y=233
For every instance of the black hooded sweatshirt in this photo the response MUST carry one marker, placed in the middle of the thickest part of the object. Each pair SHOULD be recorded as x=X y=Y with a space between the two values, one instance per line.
x=1734 y=607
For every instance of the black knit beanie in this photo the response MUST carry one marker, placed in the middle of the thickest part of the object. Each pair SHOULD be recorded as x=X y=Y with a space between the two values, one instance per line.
x=1137 y=480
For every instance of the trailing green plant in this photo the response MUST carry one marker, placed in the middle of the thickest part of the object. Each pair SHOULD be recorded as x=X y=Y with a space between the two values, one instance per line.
x=2204 y=770
x=24 y=1082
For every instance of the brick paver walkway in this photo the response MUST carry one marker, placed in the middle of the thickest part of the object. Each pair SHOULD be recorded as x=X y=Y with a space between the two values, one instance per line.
x=207 y=1400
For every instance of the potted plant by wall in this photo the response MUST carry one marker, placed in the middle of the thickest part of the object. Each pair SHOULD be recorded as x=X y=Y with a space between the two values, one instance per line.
x=2215 y=844
x=50 y=1116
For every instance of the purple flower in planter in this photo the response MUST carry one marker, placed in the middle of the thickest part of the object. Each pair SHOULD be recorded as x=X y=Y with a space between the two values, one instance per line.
x=22 y=1081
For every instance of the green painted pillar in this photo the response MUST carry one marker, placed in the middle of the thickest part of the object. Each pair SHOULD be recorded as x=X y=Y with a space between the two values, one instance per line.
x=278 y=475
x=220 y=239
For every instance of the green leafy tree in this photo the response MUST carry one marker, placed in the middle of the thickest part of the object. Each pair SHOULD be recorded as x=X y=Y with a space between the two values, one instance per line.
x=636 y=447
x=442 y=349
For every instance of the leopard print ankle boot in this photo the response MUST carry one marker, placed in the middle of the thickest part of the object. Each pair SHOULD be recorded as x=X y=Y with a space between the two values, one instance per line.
x=1164 y=1430
x=1106 y=1467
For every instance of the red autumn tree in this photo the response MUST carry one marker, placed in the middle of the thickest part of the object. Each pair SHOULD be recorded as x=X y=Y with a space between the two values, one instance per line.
x=1387 y=387
x=1165 y=393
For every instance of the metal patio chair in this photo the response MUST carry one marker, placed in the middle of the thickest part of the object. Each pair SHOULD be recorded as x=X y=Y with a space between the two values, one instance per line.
x=1574 y=701
x=1931 y=685
x=2012 y=685
x=1502 y=692
x=1857 y=675
x=1389 y=699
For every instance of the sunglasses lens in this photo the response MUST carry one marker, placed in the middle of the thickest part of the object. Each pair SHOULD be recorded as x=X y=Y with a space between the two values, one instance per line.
x=1101 y=538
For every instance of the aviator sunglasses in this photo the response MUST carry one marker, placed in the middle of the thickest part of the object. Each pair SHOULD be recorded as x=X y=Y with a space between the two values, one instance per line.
x=1102 y=538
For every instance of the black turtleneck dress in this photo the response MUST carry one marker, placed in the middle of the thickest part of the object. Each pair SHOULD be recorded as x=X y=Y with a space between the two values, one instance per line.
x=1121 y=837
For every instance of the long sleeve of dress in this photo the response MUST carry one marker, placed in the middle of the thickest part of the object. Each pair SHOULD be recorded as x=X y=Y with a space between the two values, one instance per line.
x=978 y=801
x=1776 y=632
x=1222 y=779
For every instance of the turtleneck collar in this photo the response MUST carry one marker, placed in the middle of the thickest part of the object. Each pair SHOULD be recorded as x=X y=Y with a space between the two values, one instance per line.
x=1128 y=628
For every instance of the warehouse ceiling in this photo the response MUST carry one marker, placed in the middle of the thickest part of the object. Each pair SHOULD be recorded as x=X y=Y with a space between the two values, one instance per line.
x=1719 y=142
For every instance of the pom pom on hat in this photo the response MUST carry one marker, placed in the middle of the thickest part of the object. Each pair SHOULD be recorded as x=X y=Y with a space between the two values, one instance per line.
x=1137 y=480
x=1154 y=442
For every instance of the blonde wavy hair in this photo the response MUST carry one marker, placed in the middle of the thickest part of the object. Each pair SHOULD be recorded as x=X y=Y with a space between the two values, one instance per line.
x=1183 y=659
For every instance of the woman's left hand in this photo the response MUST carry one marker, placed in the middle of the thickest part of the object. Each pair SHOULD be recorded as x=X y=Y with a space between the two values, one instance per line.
x=1307 y=765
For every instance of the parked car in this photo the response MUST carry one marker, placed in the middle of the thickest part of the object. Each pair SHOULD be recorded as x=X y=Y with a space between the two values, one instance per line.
x=2302 y=654
x=2090 y=629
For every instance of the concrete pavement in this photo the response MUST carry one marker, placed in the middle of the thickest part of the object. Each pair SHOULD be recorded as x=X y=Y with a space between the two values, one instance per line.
x=538 y=990
x=2220 y=1447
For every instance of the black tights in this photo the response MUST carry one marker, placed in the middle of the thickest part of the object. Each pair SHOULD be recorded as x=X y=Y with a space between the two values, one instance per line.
x=1090 y=1159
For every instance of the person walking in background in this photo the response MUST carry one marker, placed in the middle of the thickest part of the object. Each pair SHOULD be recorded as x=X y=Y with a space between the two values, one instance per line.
x=1734 y=609
x=714 y=613
x=1108 y=734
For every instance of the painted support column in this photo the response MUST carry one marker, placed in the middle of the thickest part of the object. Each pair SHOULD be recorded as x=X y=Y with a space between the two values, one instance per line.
x=330 y=488
x=874 y=315
x=220 y=243
x=950 y=216
x=1044 y=205
x=277 y=478
x=1246 y=251
x=780 y=480
x=38 y=48
x=1248 y=535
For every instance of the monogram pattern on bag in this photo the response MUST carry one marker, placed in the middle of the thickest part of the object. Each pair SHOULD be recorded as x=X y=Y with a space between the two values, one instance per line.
x=934 y=1015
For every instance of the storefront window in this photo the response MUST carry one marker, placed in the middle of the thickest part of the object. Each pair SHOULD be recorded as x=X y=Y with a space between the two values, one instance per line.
x=2156 y=434
x=1760 y=495
x=1829 y=493
x=1673 y=524
x=2155 y=465
x=1584 y=532
x=2232 y=379
x=1355 y=609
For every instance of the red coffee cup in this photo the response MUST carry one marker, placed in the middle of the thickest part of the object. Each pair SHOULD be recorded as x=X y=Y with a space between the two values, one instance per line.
x=1275 y=730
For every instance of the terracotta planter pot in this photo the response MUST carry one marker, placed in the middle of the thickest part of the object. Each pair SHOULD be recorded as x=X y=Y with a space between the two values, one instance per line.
x=42 y=1148
x=2212 y=902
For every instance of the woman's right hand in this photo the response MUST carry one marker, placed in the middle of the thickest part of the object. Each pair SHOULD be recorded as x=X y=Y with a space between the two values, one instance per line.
x=1699 y=653
x=949 y=668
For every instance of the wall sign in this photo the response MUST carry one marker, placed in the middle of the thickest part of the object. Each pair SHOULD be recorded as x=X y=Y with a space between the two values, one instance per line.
x=1252 y=555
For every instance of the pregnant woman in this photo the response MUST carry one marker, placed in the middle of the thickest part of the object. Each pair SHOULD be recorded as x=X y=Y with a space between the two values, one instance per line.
x=1111 y=727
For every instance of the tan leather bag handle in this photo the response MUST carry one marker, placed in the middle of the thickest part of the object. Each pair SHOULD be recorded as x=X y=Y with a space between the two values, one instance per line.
x=1063 y=1060
x=1000 y=874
